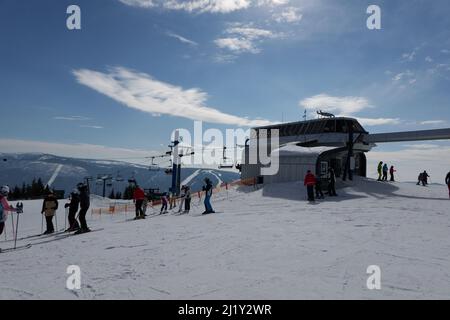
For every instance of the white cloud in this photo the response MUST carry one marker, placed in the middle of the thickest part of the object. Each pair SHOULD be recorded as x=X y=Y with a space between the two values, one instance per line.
x=202 y=6
x=432 y=122
x=91 y=127
x=369 y=122
x=72 y=118
x=75 y=150
x=142 y=92
x=237 y=45
x=289 y=15
x=182 y=39
x=345 y=105
x=429 y=59
x=445 y=51
x=244 y=39
x=140 y=3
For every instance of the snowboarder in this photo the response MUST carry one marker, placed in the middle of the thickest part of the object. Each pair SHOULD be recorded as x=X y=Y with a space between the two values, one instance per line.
x=4 y=207
x=164 y=202
x=447 y=182
x=84 y=207
x=391 y=172
x=332 y=183
x=208 y=188
x=310 y=182
x=380 y=170
x=187 y=200
x=73 y=206
x=385 y=172
x=138 y=197
x=49 y=207
x=319 y=192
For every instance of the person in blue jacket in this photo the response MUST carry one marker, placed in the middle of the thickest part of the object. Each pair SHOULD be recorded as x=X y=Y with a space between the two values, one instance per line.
x=208 y=188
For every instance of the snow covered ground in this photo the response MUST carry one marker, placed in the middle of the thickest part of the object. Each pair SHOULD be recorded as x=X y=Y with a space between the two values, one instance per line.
x=264 y=244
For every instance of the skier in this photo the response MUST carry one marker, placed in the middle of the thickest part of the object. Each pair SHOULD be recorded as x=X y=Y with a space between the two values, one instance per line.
x=310 y=182
x=164 y=202
x=187 y=200
x=145 y=205
x=419 y=178
x=4 y=207
x=391 y=172
x=319 y=192
x=172 y=200
x=332 y=183
x=425 y=177
x=385 y=172
x=447 y=182
x=208 y=188
x=380 y=170
x=182 y=198
x=49 y=207
x=73 y=206
x=138 y=197
x=84 y=207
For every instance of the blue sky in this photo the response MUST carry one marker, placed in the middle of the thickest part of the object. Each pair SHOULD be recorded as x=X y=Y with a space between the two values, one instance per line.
x=140 y=68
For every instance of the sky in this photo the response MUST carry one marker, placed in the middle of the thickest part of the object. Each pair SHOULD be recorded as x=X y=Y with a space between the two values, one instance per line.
x=138 y=69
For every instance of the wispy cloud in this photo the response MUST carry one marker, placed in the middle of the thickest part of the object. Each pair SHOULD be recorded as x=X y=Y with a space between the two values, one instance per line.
x=181 y=38
x=91 y=127
x=72 y=118
x=433 y=122
x=202 y=6
x=344 y=106
x=244 y=39
x=142 y=92
x=289 y=15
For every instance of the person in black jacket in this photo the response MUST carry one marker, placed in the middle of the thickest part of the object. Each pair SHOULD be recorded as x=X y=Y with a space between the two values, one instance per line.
x=208 y=188
x=331 y=183
x=84 y=207
x=447 y=182
x=73 y=206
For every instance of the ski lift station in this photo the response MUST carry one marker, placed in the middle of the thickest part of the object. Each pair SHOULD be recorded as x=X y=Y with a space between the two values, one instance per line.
x=331 y=142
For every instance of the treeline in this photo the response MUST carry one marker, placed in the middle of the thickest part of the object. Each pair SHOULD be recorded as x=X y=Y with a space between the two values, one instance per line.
x=35 y=190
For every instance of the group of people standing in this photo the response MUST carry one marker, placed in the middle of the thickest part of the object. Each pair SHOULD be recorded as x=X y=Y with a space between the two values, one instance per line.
x=79 y=200
x=314 y=185
x=168 y=199
x=383 y=170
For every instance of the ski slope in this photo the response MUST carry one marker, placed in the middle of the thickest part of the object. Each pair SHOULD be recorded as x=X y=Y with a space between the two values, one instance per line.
x=264 y=244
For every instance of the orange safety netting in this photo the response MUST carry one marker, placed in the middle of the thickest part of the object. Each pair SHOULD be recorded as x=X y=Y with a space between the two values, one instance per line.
x=125 y=208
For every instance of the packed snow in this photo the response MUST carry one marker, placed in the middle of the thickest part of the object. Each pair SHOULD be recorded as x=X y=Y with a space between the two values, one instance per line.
x=266 y=243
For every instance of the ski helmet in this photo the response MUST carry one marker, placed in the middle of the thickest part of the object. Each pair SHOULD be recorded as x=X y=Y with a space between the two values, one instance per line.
x=4 y=191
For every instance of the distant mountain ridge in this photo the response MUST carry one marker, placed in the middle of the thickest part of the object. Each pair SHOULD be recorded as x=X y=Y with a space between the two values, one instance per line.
x=66 y=172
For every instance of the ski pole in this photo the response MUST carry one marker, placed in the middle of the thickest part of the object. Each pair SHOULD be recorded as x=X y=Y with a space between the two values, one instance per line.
x=12 y=223
x=65 y=218
x=19 y=207
x=56 y=220
x=42 y=223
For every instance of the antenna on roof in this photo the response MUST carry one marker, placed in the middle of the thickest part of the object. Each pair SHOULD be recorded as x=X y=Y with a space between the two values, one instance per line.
x=325 y=114
x=304 y=115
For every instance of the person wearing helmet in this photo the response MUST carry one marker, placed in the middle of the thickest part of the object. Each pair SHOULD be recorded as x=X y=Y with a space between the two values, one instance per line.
x=49 y=207
x=73 y=206
x=4 y=207
x=84 y=207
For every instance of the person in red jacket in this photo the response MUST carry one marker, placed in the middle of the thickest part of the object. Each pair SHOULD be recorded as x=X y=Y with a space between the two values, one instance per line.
x=139 y=197
x=310 y=182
